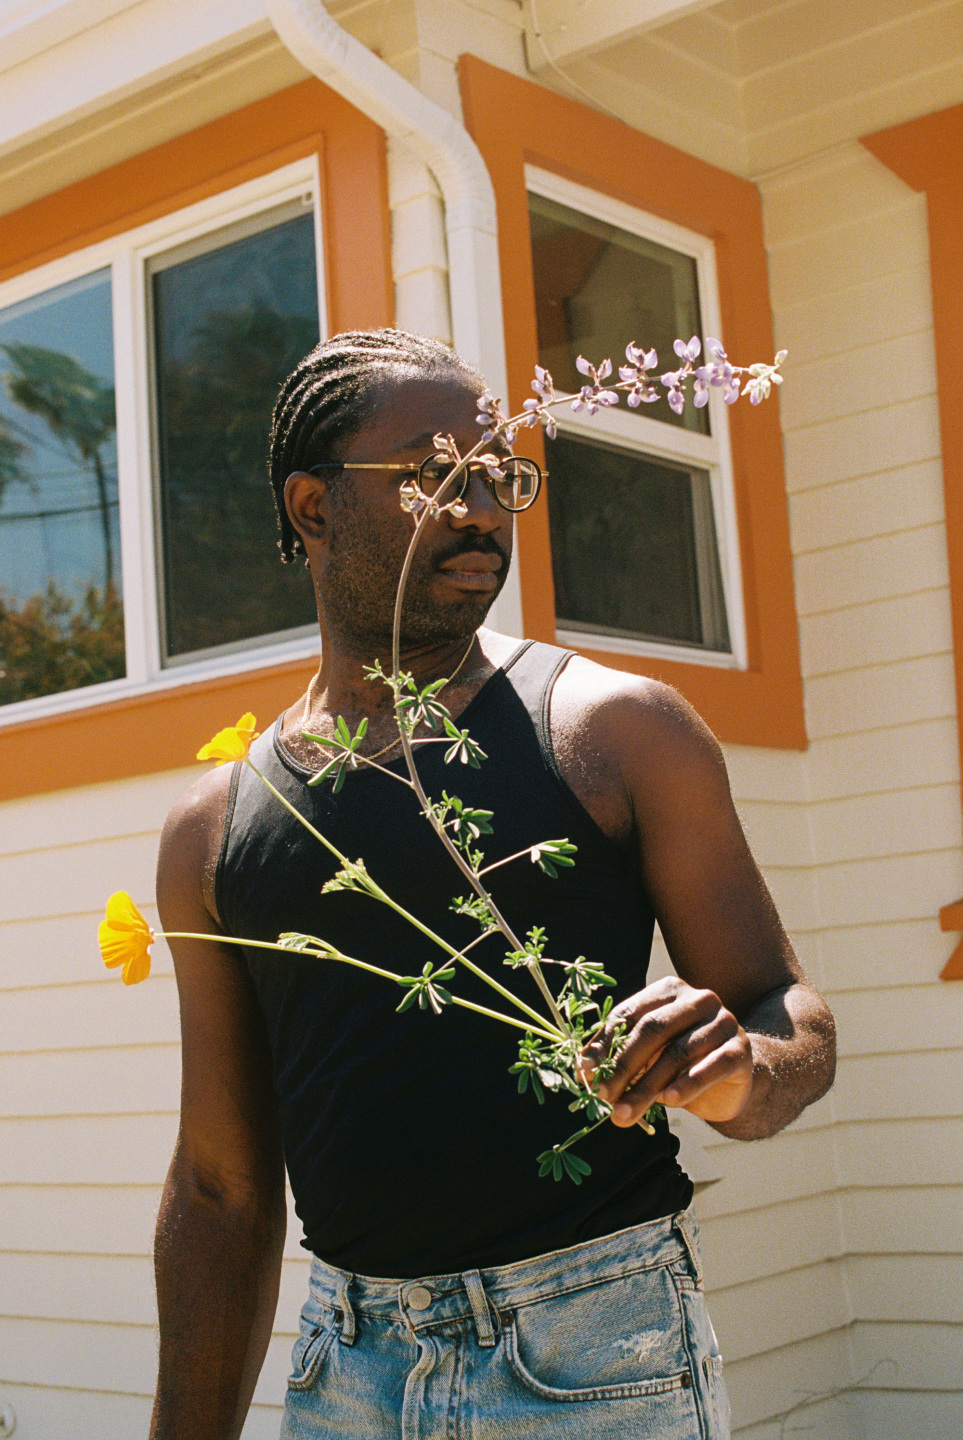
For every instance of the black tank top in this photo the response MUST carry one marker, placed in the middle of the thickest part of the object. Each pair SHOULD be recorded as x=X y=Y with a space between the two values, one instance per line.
x=409 y=1150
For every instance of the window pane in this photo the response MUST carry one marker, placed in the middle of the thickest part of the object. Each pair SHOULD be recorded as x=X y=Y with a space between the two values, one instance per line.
x=229 y=325
x=61 y=621
x=599 y=288
x=633 y=546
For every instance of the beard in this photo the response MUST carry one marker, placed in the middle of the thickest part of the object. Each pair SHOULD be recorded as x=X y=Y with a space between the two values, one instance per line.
x=360 y=582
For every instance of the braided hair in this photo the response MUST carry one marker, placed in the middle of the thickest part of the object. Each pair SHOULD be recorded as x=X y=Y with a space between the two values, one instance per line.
x=333 y=392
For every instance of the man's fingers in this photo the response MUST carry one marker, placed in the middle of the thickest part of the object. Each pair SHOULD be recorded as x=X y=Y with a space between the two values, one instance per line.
x=665 y=1025
x=717 y=1058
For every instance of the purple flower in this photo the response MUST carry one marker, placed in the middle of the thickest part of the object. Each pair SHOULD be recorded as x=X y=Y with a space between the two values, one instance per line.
x=731 y=394
x=644 y=359
x=591 y=397
x=490 y=414
x=690 y=351
x=676 y=400
x=536 y=408
x=542 y=384
x=700 y=394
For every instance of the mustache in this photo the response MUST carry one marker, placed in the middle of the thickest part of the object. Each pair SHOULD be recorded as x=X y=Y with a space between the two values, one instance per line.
x=473 y=545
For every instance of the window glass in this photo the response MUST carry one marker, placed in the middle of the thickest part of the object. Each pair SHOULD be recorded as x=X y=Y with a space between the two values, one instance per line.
x=61 y=619
x=633 y=546
x=232 y=316
x=633 y=535
x=598 y=288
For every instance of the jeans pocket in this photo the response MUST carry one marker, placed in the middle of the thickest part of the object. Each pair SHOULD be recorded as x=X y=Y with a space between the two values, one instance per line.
x=618 y=1339
x=719 y=1418
x=308 y=1356
x=614 y=1390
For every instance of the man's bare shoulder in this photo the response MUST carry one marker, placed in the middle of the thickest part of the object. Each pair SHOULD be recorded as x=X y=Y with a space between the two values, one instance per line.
x=627 y=742
x=191 y=840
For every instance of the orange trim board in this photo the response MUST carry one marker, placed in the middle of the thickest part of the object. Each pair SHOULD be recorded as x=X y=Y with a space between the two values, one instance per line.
x=141 y=734
x=158 y=731
x=515 y=122
x=928 y=154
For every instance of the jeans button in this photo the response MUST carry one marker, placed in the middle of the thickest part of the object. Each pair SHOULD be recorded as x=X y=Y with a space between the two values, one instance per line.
x=419 y=1297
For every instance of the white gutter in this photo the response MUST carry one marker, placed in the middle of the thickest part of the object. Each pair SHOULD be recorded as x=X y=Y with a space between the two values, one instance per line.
x=443 y=144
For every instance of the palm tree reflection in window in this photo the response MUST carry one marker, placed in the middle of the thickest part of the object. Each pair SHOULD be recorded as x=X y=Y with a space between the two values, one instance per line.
x=54 y=640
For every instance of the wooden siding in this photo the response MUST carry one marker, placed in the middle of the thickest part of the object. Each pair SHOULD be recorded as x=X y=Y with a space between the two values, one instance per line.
x=850 y=277
x=831 y=1250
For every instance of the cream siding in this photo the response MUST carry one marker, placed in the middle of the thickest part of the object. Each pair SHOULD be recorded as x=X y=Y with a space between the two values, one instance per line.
x=89 y=1081
x=831 y=1250
x=862 y=447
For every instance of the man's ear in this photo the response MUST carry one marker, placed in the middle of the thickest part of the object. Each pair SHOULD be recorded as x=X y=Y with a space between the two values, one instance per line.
x=308 y=502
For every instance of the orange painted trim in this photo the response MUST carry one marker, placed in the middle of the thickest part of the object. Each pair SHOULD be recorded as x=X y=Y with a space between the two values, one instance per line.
x=951 y=918
x=928 y=154
x=141 y=734
x=157 y=731
x=515 y=122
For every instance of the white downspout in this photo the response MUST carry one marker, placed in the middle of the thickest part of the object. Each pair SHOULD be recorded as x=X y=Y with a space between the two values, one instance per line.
x=443 y=144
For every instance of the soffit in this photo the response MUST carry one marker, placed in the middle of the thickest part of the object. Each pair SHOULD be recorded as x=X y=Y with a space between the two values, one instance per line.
x=86 y=83
x=146 y=118
x=754 y=85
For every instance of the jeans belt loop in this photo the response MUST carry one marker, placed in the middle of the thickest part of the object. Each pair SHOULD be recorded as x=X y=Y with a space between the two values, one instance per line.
x=684 y=1224
x=348 y=1331
x=479 y=1308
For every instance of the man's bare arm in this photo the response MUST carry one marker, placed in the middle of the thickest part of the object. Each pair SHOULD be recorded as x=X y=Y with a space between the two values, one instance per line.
x=741 y=1038
x=221 y=1225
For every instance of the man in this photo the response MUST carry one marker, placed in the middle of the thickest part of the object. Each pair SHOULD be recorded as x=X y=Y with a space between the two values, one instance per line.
x=454 y=1292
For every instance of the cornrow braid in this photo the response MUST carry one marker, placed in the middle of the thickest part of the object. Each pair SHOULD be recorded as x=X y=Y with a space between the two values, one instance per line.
x=332 y=393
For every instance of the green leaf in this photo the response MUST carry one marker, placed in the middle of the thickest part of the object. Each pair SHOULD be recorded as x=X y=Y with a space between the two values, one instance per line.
x=322 y=740
x=551 y=853
x=294 y=940
x=575 y=1166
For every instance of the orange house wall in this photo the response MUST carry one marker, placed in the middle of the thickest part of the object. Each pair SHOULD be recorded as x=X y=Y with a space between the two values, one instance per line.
x=163 y=730
x=515 y=122
x=928 y=154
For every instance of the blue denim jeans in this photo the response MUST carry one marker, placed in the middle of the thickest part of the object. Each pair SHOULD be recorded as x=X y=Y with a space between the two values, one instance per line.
x=608 y=1340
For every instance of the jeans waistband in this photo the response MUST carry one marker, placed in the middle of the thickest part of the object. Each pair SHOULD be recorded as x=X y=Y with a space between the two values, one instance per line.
x=481 y=1294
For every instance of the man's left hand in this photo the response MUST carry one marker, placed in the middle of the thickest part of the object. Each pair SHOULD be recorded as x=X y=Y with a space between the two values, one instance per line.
x=682 y=1048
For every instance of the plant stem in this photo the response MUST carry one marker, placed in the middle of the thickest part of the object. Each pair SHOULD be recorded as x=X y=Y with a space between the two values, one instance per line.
x=338 y=955
x=333 y=849
x=507 y=860
x=375 y=890
x=331 y=954
x=508 y=1019
x=440 y=831
x=581 y=1134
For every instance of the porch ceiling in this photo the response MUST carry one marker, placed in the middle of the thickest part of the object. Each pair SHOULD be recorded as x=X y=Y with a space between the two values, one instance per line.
x=752 y=84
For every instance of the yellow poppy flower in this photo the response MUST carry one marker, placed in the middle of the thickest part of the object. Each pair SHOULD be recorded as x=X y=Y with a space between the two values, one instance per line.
x=125 y=938
x=232 y=743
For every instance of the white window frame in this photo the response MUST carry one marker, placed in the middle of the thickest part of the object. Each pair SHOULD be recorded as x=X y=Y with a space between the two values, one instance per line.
x=126 y=256
x=637 y=431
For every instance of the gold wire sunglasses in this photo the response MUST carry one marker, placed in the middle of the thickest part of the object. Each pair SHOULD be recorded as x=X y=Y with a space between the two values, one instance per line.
x=515 y=483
